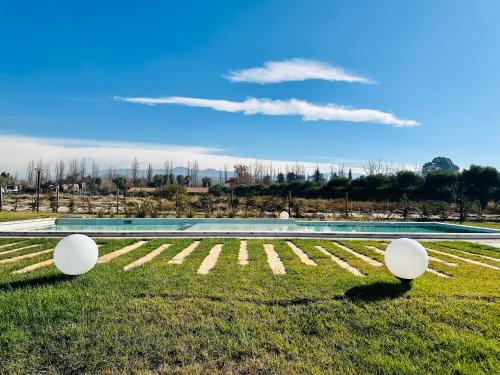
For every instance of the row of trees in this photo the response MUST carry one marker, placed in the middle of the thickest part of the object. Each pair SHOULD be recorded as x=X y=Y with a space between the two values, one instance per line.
x=438 y=180
x=477 y=183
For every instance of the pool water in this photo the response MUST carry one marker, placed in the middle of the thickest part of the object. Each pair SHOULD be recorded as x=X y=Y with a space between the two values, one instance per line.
x=253 y=225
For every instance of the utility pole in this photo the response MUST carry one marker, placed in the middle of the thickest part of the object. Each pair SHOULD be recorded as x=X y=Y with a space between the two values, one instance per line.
x=38 y=174
x=1 y=198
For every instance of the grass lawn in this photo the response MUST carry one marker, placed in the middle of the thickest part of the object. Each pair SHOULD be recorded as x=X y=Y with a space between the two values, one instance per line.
x=485 y=225
x=163 y=317
x=26 y=215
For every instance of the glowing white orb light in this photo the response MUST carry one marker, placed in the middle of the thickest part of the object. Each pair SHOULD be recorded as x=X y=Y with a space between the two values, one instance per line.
x=406 y=258
x=284 y=215
x=76 y=254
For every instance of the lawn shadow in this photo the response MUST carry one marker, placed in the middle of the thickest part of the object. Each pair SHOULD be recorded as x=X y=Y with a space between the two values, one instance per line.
x=378 y=291
x=36 y=282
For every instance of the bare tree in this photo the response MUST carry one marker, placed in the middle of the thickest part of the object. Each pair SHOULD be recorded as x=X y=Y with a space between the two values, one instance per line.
x=59 y=171
x=149 y=174
x=195 y=171
x=134 y=171
x=373 y=167
x=30 y=172
x=94 y=172
x=111 y=173
x=242 y=174
x=341 y=169
x=258 y=171
x=83 y=168
x=169 y=168
x=40 y=165
x=47 y=172
x=73 y=171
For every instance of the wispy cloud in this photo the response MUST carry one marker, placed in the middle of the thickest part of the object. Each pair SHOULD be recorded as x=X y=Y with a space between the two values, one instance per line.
x=308 y=111
x=294 y=70
x=17 y=150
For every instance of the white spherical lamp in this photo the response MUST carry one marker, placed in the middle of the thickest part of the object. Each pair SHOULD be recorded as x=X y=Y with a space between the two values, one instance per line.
x=406 y=258
x=76 y=254
x=284 y=215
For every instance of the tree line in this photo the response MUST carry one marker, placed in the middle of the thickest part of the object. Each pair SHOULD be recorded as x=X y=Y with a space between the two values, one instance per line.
x=438 y=180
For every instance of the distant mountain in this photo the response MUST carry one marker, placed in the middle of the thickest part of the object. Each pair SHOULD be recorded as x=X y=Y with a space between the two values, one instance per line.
x=209 y=172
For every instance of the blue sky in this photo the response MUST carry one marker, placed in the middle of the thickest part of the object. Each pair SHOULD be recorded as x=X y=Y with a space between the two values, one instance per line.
x=63 y=63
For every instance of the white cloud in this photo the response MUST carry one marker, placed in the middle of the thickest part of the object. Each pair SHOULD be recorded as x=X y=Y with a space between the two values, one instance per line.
x=308 y=111
x=294 y=70
x=17 y=150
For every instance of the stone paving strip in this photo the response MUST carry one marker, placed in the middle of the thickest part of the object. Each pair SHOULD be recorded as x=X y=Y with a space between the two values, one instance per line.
x=437 y=273
x=11 y=244
x=179 y=258
x=471 y=261
x=35 y=266
x=430 y=270
x=210 y=260
x=303 y=256
x=25 y=256
x=492 y=243
x=243 y=254
x=147 y=258
x=38 y=265
x=340 y=262
x=370 y=261
x=449 y=264
x=18 y=249
x=115 y=254
x=274 y=260
x=473 y=254
x=376 y=249
x=477 y=255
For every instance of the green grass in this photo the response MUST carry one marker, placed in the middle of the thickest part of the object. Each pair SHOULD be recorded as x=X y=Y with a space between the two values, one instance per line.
x=27 y=215
x=243 y=319
x=494 y=225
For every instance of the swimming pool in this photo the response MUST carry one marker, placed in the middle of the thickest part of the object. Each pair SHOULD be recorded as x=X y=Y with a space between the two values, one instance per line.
x=242 y=227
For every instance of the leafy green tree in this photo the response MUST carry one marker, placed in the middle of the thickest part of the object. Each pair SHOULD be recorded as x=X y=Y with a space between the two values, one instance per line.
x=318 y=177
x=217 y=190
x=280 y=178
x=291 y=177
x=206 y=182
x=158 y=180
x=121 y=182
x=439 y=163
x=480 y=183
x=439 y=185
